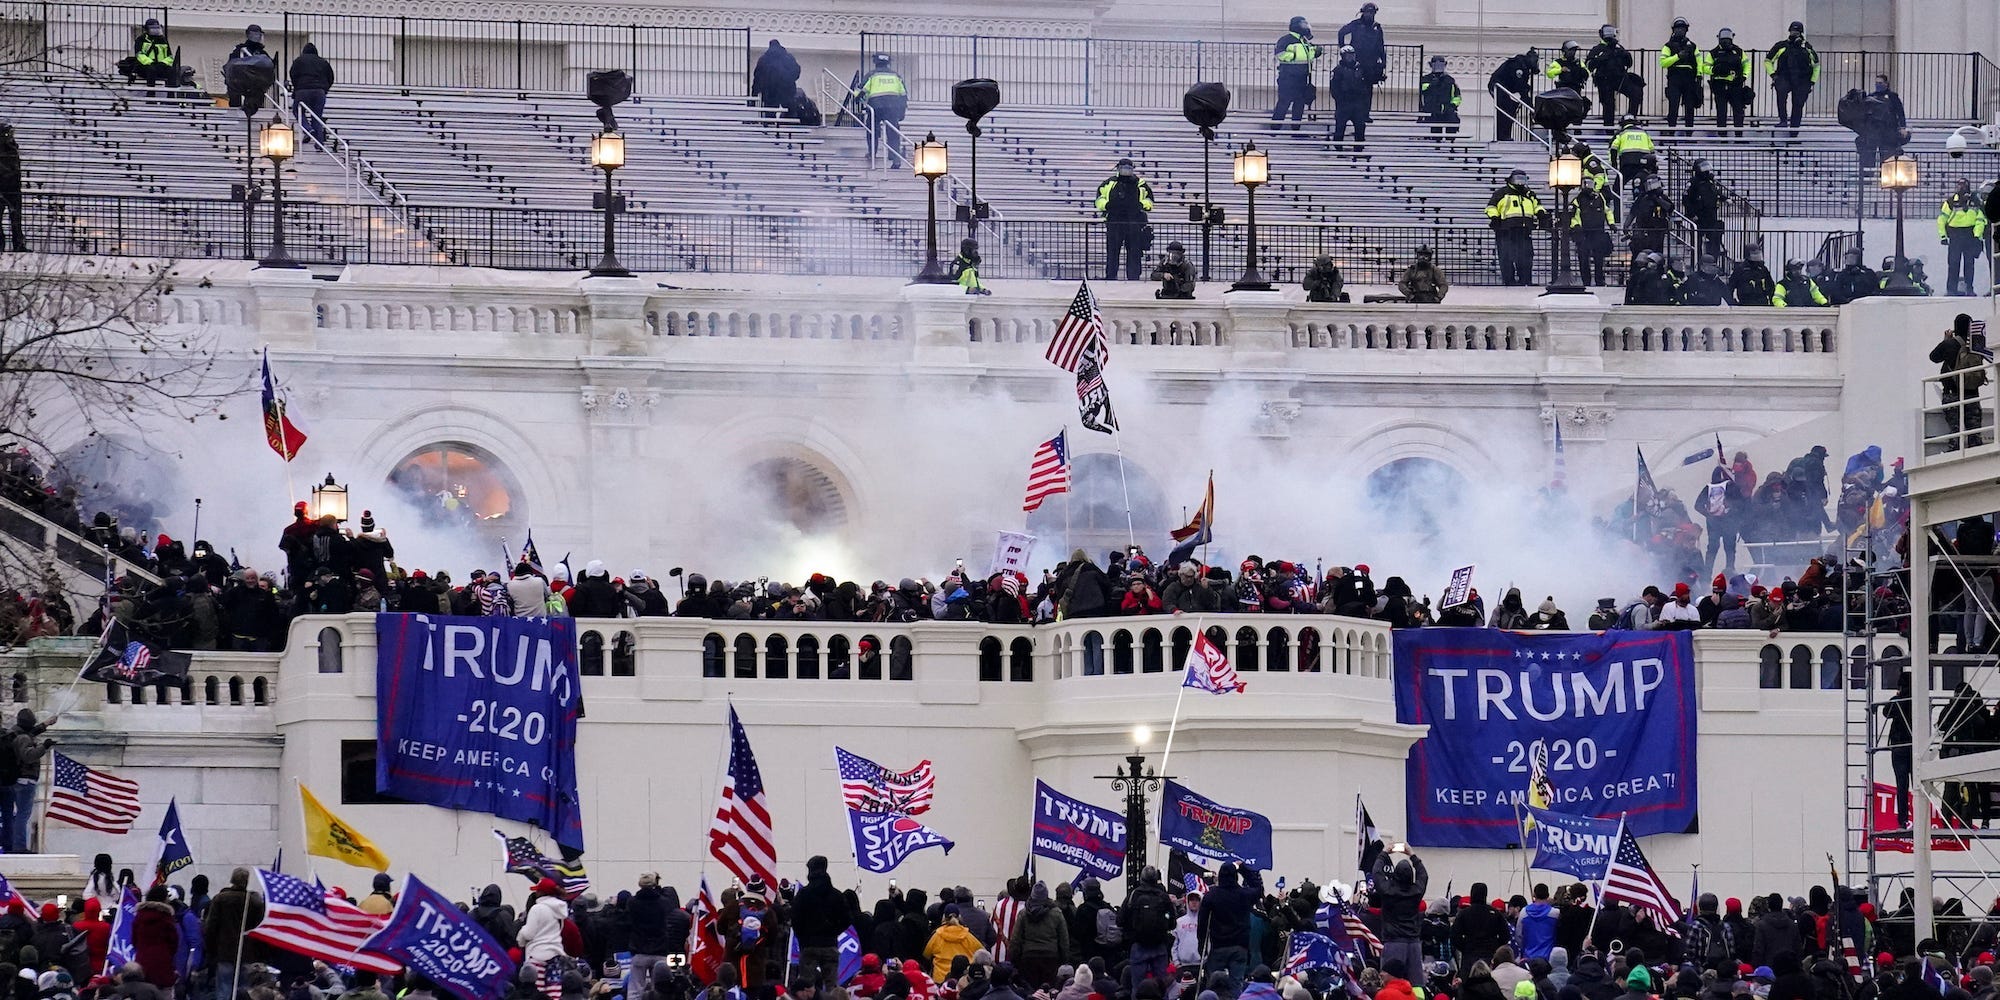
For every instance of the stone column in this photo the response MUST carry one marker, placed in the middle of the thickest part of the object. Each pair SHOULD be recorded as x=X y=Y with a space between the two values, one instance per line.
x=1259 y=335
x=285 y=313
x=617 y=309
x=937 y=316
x=620 y=408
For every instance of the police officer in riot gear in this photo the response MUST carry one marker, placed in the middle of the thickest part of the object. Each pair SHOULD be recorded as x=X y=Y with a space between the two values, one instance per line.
x=1295 y=52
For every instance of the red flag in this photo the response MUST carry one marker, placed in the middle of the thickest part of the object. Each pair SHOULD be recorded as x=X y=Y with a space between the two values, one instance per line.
x=280 y=433
x=704 y=949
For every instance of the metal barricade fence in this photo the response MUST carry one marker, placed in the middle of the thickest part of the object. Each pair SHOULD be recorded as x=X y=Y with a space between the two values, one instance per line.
x=1114 y=72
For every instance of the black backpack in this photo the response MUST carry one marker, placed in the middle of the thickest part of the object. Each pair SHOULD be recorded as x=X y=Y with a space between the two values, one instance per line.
x=10 y=758
x=1152 y=920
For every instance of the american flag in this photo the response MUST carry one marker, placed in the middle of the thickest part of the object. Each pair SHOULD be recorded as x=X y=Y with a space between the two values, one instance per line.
x=1350 y=919
x=520 y=856
x=8 y=894
x=1080 y=335
x=740 y=837
x=1093 y=399
x=552 y=980
x=92 y=799
x=306 y=918
x=1006 y=914
x=1048 y=472
x=869 y=787
x=1208 y=669
x=1629 y=879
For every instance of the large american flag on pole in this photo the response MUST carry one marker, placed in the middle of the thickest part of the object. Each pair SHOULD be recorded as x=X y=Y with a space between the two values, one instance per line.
x=1048 y=472
x=311 y=920
x=1080 y=333
x=92 y=799
x=1628 y=878
x=740 y=837
x=869 y=787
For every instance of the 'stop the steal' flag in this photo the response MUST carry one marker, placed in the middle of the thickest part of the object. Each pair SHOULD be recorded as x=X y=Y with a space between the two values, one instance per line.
x=1615 y=712
x=883 y=840
x=1208 y=669
x=429 y=934
x=1574 y=845
x=480 y=714
x=1207 y=828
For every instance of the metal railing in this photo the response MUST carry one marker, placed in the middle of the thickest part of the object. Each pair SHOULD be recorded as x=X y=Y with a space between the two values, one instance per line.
x=1115 y=72
x=570 y=239
x=1822 y=181
x=1958 y=409
x=1935 y=86
x=428 y=52
x=364 y=183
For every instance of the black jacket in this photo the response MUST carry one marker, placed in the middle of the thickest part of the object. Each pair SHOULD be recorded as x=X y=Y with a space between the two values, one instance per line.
x=1608 y=63
x=659 y=925
x=1479 y=930
x=595 y=597
x=776 y=78
x=1349 y=82
x=1398 y=891
x=1750 y=284
x=1224 y=920
x=819 y=912
x=310 y=72
x=10 y=160
x=1515 y=76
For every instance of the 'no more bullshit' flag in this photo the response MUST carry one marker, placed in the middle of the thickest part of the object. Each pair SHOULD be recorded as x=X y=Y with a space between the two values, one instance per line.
x=1077 y=833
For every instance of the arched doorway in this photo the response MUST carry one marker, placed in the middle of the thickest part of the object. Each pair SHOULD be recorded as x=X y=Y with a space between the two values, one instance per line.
x=1418 y=495
x=1091 y=516
x=452 y=483
x=801 y=495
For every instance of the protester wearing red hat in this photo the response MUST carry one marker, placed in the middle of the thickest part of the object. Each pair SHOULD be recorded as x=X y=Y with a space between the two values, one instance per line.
x=1677 y=613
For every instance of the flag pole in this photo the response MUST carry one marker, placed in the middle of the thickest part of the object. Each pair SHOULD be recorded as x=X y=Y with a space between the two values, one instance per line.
x=1598 y=913
x=1131 y=537
x=1173 y=724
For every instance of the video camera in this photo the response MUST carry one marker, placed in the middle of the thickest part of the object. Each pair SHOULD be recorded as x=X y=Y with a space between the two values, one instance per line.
x=608 y=88
x=1560 y=110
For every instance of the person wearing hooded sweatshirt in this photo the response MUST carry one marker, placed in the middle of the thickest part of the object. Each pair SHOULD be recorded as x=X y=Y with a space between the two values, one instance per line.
x=541 y=937
x=156 y=938
x=1081 y=985
x=230 y=913
x=1400 y=883
x=652 y=918
x=1225 y=919
x=498 y=918
x=1538 y=926
x=1083 y=923
x=96 y=933
x=1041 y=939
x=1775 y=933
x=1638 y=984
x=819 y=914
x=1147 y=918
x=976 y=920
x=1510 y=614
x=190 y=955
x=1395 y=981
x=881 y=929
x=1592 y=981
x=947 y=943
x=1479 y=930
x=1558 y=976
x=868 y=982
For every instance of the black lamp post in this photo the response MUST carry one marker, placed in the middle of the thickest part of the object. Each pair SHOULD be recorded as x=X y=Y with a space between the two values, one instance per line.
x=930 y=161
x=607 y=153
x=1253 y=168
x=1565 y=176
x=1135 y=780
x=1899 y=174
x=278 y=142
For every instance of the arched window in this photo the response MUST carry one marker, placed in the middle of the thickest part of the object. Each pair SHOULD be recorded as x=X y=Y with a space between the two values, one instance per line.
x=1829 y=668
x=1121 y=652
x=1021 y=661
x=869 y=652
x=775 y=665
x=211 y=691
x=1309 y=650
x=838 y=665
x=746 y=657
x=990 y=667
x=17 y=689
x=1246 y=648
x=1281 y=649
x=624 y=655
x=1802 y=668
x=260 y=692
x=1183 y=642
x=235 y=691
x=1770 y=667
x=590 y=654
x=809 y=657
x=1152 y=658
x=329 y=651
x=901 y=665
x=452 y=483
x=712 y=664
x=797 y=493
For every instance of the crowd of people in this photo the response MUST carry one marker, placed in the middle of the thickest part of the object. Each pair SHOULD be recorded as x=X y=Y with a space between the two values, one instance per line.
x=1224 y=936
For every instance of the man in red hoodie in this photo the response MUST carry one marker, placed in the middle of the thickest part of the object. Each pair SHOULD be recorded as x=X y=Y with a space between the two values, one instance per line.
x=96 y=932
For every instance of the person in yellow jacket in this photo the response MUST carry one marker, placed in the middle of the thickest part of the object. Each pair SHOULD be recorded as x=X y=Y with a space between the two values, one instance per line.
x=950 y=941
x=885 y=98
x=1727 y=67
x=1632 y=148
x=1798 y=289
x=154 y=56
x=1682 y=61
x=1295 y=53
x=1513 y=213
x=1962 y=228
x=1124 y=199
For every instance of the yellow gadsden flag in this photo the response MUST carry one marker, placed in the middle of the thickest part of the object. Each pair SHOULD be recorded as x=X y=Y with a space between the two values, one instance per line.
x=329 y=837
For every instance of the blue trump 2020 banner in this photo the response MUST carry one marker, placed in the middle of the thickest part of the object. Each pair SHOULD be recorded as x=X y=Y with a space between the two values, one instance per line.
x=1574 y=845
x=1078 y=833
x=429 y=934
x=1607 y=717
x=1206 y=828
x=480 y=714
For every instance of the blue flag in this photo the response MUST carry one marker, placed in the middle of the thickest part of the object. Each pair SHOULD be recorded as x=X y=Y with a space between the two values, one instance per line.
x=429 y=934
x=172 y=853
x=883 y=840
x=1612 y=713
x=849 y=946
x=1207 y=828
x=1574 y=845
x=1311 y=951
x=480 y=714
x=1077 y=833
x=121 y=950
